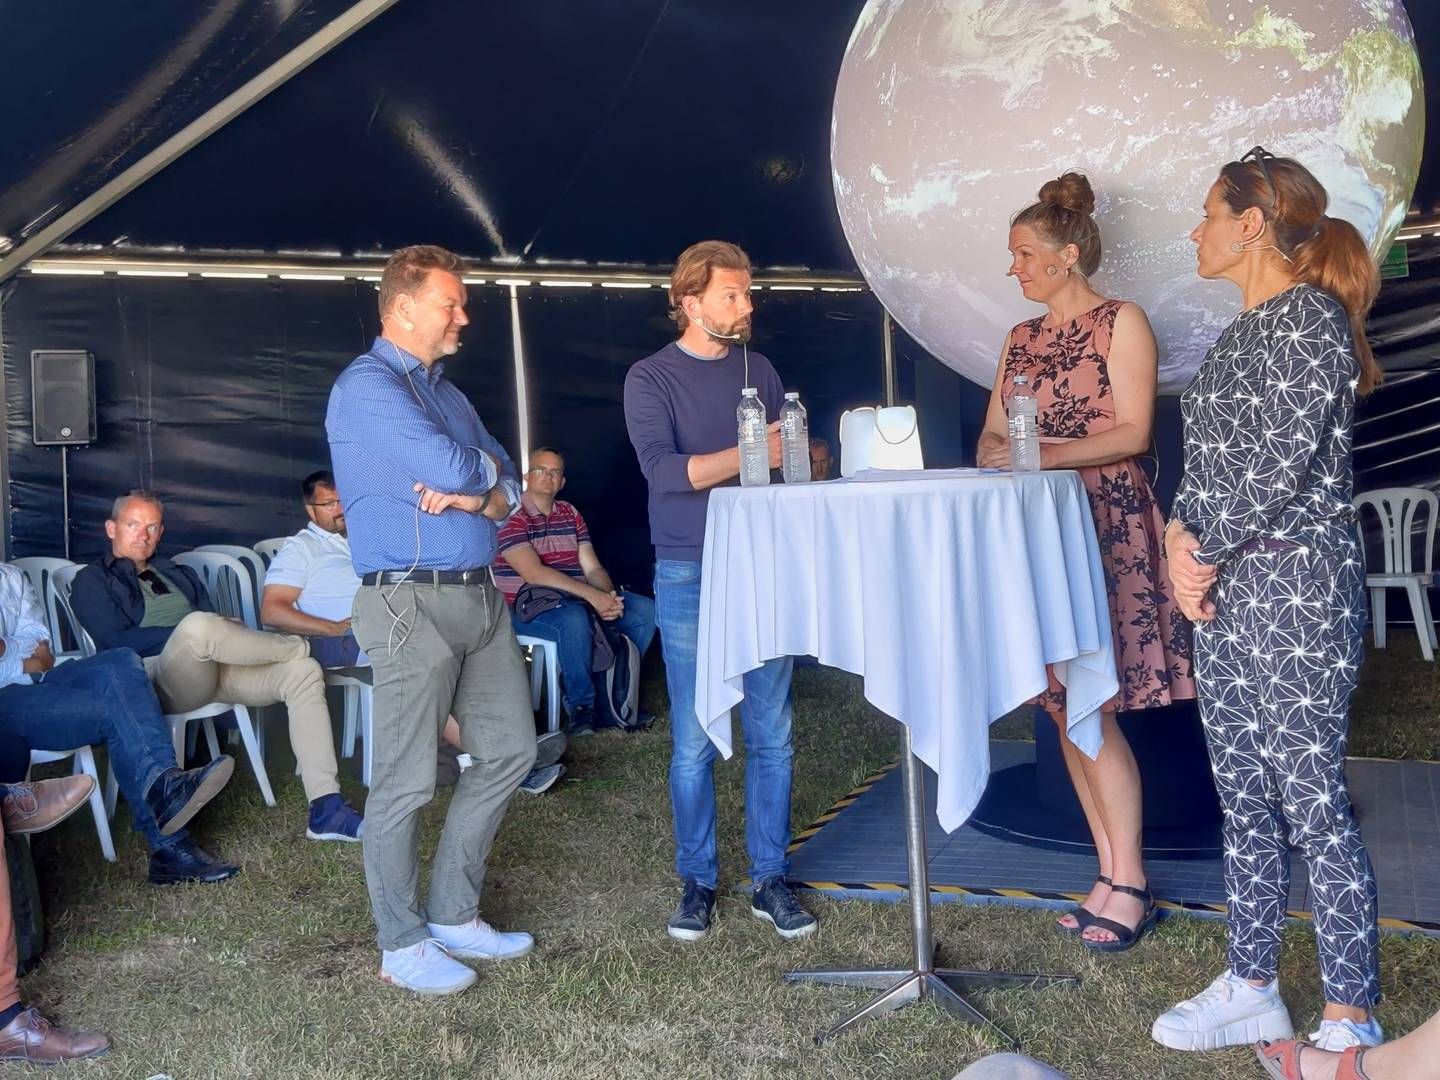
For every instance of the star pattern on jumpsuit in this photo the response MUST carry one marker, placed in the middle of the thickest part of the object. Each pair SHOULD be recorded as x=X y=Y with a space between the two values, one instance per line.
x=1267 y=490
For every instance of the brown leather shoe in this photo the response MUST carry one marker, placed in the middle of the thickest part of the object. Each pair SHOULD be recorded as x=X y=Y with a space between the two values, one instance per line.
x=35 y=807
x=30 y=1037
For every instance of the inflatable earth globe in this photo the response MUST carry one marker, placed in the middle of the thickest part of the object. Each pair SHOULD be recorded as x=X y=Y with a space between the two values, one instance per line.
x=950 y=114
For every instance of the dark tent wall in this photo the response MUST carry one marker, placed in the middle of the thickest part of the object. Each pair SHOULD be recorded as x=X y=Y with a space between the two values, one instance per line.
x=213 y=394
x=528 y=135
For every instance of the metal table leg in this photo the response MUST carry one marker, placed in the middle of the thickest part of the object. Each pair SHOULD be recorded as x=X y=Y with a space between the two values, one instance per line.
x=923 y=981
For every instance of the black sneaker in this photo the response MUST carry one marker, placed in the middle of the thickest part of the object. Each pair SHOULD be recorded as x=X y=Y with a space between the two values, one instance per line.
x=582 y=721
x=775 y=902
x=692 y=917
x=186 y=862
x=175 y=797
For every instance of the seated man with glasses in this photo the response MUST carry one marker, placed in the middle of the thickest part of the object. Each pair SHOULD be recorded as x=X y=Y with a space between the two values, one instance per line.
x=310 y=589
x=311 y=583
x=134 y=599
x=547 y=543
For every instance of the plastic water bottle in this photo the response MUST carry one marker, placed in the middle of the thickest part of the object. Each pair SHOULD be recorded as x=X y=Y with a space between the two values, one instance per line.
x=1024 y=427
x=754 y=443
x=794 y=441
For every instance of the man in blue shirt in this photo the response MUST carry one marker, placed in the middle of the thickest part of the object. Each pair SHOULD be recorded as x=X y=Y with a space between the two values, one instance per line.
x=680 y=411
x=422 y=484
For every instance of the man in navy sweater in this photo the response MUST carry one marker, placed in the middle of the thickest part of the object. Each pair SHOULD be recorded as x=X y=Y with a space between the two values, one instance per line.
x=680 y=412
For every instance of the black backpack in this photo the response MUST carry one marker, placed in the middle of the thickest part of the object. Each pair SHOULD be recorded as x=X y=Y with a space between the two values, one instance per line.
x=619 y=686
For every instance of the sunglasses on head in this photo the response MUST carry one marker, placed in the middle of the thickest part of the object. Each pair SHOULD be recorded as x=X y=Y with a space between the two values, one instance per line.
x=1262 y=157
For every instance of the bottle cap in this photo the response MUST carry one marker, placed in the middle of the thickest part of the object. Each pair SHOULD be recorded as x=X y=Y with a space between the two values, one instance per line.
x=749 y=391
x=1022 y=380
x=792 y=396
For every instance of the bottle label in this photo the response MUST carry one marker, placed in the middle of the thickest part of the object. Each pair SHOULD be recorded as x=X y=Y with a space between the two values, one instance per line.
x=1023 y=426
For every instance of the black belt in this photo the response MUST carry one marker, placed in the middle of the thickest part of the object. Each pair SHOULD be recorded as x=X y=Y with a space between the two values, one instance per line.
x=478 y=576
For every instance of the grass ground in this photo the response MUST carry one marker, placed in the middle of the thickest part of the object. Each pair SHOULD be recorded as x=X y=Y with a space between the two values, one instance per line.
x=273 y=974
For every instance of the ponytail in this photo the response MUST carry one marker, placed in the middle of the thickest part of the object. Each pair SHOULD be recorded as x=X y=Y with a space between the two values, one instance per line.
x=1334 y=258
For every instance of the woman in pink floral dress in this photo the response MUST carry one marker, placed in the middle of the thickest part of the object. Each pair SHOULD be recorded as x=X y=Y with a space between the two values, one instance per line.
x=1092 y=364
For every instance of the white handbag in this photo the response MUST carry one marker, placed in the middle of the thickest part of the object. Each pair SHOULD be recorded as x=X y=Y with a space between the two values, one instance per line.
x=885 y=438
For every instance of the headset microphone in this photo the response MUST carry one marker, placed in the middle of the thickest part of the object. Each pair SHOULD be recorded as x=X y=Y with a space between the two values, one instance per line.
x=715 y=333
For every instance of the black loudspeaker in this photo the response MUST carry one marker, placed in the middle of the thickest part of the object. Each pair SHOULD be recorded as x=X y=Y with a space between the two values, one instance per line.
x=62 y=388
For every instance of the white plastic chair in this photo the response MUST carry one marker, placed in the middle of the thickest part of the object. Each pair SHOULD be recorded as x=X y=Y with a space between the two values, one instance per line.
x=544 y=672
x=266 y=549
x=38 y=569
x=228 y=581
x=233 y=580
x=1397 y=509
x=84 y=762
x=359 y=699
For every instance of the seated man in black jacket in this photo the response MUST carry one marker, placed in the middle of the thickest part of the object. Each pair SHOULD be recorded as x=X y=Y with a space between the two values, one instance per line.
x=133 y=599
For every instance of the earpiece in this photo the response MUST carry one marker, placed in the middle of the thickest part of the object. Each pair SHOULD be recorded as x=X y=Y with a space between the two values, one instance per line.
x=1237 y=247
x=407 y=325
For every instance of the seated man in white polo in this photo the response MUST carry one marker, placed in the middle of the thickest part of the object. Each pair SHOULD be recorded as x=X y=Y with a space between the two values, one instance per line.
x=310 y=589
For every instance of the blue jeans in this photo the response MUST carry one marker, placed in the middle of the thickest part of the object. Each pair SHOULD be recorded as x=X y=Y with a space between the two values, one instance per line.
x=765 y=721
x=338 y=652
x=569 y=627
x=104 y=699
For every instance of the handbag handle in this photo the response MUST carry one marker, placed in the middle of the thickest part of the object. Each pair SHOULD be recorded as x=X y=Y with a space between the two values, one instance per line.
x=904 y=438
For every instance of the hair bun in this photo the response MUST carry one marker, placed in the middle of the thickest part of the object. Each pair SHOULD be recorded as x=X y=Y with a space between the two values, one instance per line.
x=1071 y=191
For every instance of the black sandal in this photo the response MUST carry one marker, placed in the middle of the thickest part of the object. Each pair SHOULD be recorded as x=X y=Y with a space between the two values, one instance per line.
x=1125 y=937
x=1083 y=915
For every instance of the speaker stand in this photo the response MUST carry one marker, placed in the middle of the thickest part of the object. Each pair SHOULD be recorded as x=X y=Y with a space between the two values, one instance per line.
x=65 y=493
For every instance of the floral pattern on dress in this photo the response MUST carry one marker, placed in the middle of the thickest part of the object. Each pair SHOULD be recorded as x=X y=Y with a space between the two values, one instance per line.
x=1066 y=366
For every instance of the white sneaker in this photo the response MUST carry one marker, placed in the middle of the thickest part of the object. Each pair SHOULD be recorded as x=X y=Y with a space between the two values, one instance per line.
x=425 y=969
x=1228 y=1012
x=1337 y=1036
x=478 y=940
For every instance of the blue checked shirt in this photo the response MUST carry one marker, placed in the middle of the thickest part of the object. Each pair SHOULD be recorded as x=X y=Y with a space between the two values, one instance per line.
x=391 y=425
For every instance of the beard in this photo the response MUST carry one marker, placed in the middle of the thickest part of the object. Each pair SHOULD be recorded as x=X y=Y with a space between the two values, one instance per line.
x=738 y=333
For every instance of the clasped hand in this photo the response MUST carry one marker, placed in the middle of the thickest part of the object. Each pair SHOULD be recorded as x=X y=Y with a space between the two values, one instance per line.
x=437 y=502
x=608 y=605
x=1192 y=580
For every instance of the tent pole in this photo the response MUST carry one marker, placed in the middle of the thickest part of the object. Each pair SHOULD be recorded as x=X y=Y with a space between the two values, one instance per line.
x=209 y=122
x=522 y=402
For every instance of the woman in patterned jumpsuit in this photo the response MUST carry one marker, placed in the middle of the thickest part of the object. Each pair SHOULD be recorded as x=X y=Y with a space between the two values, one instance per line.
x=1266 y=560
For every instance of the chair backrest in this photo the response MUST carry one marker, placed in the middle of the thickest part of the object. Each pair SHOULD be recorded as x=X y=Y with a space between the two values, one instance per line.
x=39 y=568
x=1397 y=509
x=228 y=581
x=253 y=563
x=266 y=549
x=61 y=581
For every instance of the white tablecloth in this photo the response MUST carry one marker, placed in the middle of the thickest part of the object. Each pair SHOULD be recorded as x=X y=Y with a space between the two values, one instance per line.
x=948 y=591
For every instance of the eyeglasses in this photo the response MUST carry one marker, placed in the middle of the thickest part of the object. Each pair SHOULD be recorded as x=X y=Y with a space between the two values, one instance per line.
x=540 y=470
x=328 y=504
x=155 y=581
x=1263 y=157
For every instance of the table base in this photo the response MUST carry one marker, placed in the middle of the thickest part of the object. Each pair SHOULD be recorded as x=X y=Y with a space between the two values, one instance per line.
x=923 y=981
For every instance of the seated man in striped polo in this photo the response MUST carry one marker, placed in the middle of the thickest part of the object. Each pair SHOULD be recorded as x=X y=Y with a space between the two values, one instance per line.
x=547 y=543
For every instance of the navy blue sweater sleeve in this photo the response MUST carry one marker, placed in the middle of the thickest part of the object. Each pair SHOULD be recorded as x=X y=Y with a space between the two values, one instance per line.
x=651 y=425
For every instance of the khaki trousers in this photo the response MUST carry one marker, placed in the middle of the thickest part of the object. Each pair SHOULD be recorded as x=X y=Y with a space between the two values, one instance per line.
x=209 y=658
